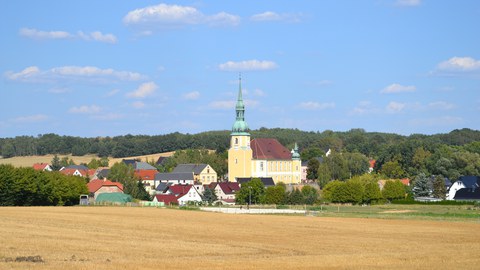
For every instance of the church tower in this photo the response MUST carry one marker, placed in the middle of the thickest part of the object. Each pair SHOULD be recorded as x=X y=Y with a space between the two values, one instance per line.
x=240 y=153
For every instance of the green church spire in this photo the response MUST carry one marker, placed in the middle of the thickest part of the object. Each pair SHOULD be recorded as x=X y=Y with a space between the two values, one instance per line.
x=240 y=127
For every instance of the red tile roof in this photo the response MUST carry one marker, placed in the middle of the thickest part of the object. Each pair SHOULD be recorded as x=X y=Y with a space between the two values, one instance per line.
x=72 y=171
x=229 y=187
x=180 y=190
x=96 y=184
x=167 y=198
x=405 y=181
x=265 y=148
x=146 y=174
x=372 y=163
x=40 y=166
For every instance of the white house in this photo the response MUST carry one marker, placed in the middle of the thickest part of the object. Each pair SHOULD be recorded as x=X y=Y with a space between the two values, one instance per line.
x=225 y=191
x=174 y=178
x=470 y=182
x=185 y=194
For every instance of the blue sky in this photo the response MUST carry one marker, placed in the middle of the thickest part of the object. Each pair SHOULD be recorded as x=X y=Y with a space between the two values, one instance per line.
x=106 y=68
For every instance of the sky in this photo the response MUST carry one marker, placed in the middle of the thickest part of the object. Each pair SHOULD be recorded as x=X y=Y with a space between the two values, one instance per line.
x=108 y=68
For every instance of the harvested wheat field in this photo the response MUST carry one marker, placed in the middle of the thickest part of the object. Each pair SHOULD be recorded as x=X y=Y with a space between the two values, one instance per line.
x=151 y=238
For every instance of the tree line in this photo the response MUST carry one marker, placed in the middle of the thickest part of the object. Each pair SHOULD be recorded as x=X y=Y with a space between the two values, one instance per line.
x=371 y=144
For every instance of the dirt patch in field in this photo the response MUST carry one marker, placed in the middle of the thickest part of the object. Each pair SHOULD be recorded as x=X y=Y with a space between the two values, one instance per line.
x=397 y=211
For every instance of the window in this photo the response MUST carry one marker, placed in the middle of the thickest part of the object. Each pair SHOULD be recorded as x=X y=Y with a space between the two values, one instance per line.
x=236 y=140
x=236 y=161
x=261 y=166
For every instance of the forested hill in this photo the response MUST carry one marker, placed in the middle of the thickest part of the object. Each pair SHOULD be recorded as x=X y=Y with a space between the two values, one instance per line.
x=371 y=144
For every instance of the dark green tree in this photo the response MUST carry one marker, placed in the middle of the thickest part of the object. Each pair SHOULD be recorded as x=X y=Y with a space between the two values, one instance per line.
x=310 y=194
x=295 y=197
x=56 y=165
x=251 y=191
x=439 y=189
x=209 y=195
x=275 y=194
x=312 y=168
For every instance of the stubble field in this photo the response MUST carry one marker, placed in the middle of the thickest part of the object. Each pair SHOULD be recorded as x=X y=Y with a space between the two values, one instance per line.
x=151 y=238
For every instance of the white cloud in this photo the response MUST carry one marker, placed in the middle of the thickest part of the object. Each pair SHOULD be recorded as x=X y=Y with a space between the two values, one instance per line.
x=171 y=16
x=250 y=65
x=459 y=64
x=37 y=34
x=363 y=107
x=85 y=109
x=408 y=3
x=191 y=95
x=27 y=73
x=34 y=74
x=138 y=104
x=96 y=36
x=311 y=105
x=30 y=118
x=144 y=90
x=273 y=16
x=441 y=105
x=397 y=88
x=223 y=19
x=395 y=107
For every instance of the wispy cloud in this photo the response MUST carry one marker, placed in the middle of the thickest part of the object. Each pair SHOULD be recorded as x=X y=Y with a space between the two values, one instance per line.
x=164 y=16
x=441 y=105
x=459 y=64
x=144 y=90
x=90 y=73
x=30 y=118
x=408 y=3
x=273 y=16
x=398 y=88
x=248 y=65
x=39 y=34
x=311 y=105
x=138 y=105
x=108 y=116
x=85 y=109
x=98 y=36
x=395 y=107
x=191 y=95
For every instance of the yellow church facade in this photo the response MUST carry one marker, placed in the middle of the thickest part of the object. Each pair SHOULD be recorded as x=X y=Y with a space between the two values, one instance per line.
x=261 y=157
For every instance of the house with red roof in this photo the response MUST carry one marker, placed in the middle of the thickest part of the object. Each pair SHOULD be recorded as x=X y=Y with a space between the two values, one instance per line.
x=185 y=194
x=225 y=191
x=99 y=186
x=167 y=199
x=89 y=173
x=147 y=177
x=42 y=167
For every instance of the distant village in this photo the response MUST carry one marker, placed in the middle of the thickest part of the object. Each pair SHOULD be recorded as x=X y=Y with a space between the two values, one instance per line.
x=263 y=159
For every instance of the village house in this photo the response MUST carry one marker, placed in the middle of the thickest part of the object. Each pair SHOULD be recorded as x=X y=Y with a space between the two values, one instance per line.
x=147 y=177
x=99 y=186
x=185 y=194
x=42 y=167
x=167 y=199
x=174 y=178
x=465 y=188
x=203 y=173
x=404 y=181
x=225 y=191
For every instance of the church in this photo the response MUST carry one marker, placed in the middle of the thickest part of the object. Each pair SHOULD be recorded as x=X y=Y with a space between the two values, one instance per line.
x=261 y=157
